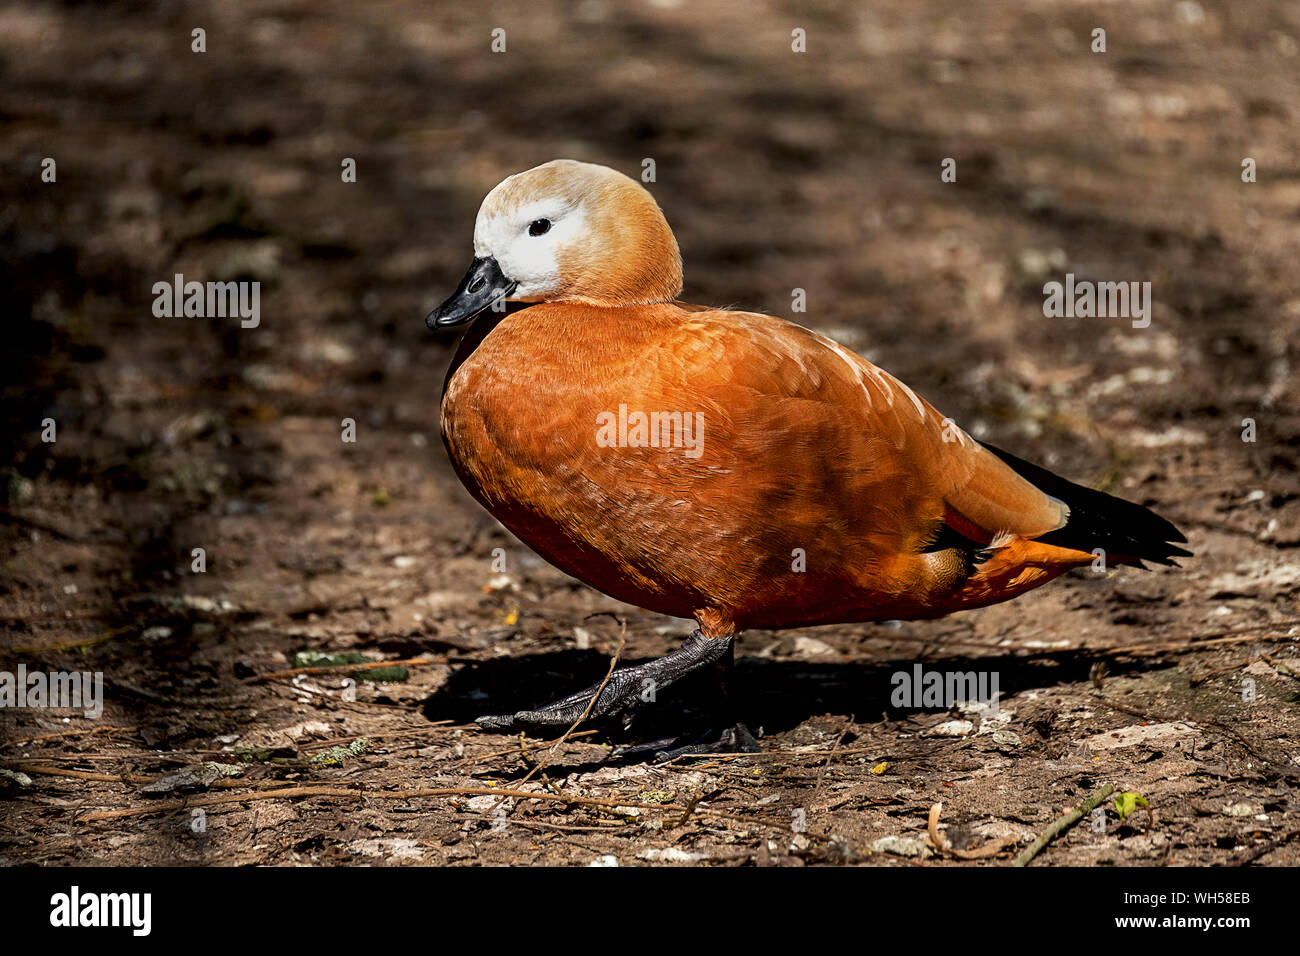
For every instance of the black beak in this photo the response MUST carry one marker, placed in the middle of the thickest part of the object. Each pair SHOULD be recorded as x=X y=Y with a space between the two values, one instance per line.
x=483 y=286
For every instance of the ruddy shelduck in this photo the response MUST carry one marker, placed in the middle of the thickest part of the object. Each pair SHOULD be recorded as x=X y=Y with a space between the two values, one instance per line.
x=724 y=466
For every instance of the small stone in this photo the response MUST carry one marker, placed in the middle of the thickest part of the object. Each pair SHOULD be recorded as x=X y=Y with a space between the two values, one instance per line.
x=952 y=728
x=671 y=855
x=901 y=846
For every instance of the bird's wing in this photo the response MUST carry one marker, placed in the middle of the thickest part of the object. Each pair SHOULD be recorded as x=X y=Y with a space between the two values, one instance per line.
x=982 y=496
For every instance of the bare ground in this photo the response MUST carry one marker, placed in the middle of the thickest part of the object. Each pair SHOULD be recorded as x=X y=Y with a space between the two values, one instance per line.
x=778 y=170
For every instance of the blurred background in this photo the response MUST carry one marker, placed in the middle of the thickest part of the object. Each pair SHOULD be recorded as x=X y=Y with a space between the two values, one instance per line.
x=779 y=170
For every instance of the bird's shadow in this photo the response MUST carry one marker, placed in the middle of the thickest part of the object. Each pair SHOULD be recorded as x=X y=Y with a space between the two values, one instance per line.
x=776 y=696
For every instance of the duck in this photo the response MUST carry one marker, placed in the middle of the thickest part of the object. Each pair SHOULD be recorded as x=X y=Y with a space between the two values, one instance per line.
x=723 y=466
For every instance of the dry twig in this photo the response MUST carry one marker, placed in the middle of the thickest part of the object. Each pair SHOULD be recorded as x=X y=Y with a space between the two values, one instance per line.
x=1063 y=824
x=613 y=662
x=348 y=668
x=940 y=843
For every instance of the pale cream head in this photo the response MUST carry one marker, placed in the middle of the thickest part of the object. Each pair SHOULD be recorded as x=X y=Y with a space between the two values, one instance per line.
x=571 y=231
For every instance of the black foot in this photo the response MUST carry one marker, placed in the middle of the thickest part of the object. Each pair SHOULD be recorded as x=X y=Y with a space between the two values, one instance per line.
x=628 y=689
x=734 y=739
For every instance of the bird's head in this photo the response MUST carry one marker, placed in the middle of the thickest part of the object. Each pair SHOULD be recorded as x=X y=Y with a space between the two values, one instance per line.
x=567 y=231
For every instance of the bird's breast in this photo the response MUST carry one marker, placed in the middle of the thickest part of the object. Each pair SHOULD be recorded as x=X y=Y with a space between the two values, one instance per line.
x=584 y=465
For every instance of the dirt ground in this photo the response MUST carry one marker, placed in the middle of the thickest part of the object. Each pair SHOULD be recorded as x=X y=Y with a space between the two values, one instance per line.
x=778 y=170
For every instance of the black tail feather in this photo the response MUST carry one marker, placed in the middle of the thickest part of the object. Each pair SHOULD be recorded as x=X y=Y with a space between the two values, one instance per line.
x=1127 y=532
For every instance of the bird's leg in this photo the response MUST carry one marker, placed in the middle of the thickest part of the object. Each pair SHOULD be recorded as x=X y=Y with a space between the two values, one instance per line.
x=725 y=733
x=628 y=688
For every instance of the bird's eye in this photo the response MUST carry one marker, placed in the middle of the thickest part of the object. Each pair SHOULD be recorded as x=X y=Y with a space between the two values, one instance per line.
x=539 y=226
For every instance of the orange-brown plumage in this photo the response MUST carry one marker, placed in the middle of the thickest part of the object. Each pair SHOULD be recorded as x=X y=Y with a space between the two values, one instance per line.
x=798 y=453
x=804 y=448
